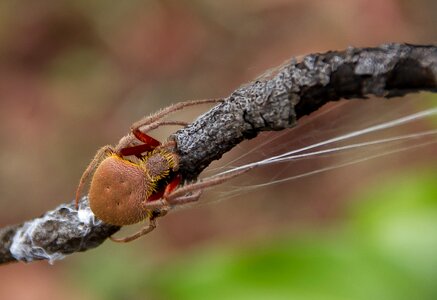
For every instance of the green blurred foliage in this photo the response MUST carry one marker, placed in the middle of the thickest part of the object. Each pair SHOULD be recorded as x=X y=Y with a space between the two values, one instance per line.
x=384 y=249
x=109 y=276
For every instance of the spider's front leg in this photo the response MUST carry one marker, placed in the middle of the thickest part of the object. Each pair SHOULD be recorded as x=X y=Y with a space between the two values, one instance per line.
x=154 y=121
x=147 y=139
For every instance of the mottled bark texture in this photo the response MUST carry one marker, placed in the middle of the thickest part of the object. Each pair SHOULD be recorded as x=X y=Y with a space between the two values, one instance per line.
x=277 y=99
x=274 y=101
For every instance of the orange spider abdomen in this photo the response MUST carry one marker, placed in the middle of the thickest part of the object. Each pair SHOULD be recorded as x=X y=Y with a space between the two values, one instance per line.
x=118 y=190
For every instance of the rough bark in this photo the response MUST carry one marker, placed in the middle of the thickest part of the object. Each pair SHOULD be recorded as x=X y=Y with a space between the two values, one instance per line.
x=274 y=101
x=277 y=99
x=56 y=233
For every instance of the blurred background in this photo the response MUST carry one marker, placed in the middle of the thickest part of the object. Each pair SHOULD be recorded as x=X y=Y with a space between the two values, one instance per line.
x=74 y=75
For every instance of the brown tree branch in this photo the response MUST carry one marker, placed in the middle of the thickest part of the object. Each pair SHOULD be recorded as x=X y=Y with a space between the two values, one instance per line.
x=277 y=99
x=273 y=101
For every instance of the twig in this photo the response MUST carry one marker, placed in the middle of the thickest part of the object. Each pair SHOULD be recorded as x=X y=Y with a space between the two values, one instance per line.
x=55 y=234
x=276 y=100
x=273 y=101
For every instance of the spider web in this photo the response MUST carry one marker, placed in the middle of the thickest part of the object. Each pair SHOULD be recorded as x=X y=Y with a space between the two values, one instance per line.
x=358 y=137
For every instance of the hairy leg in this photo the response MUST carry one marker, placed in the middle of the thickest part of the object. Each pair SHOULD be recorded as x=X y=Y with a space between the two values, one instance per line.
x=154 y=121
x=103 y=152
x=206 y=183
x=145 y=138
x=186 y=199
x=163 y=204
x=160 y=203
x=179 y=196
x=145 y=230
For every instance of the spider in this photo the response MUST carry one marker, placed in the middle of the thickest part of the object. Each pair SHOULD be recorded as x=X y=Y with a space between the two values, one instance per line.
x=126 y=191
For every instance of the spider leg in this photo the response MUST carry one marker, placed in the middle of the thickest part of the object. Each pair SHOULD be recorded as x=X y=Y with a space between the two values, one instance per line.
x=126 y=148
x=206 y=183
x=162 y=204
x=128 y=144
x=179 y=196
x=153 y=121
x=156 y=205
x=186 y=199
x=104 y=151
x=172 y=185
x=145 y=230
x=150 y=141
x=145 y=138
x=136 y=150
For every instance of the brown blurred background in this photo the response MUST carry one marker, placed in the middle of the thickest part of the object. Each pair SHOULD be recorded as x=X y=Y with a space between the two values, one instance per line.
x=75 y=74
